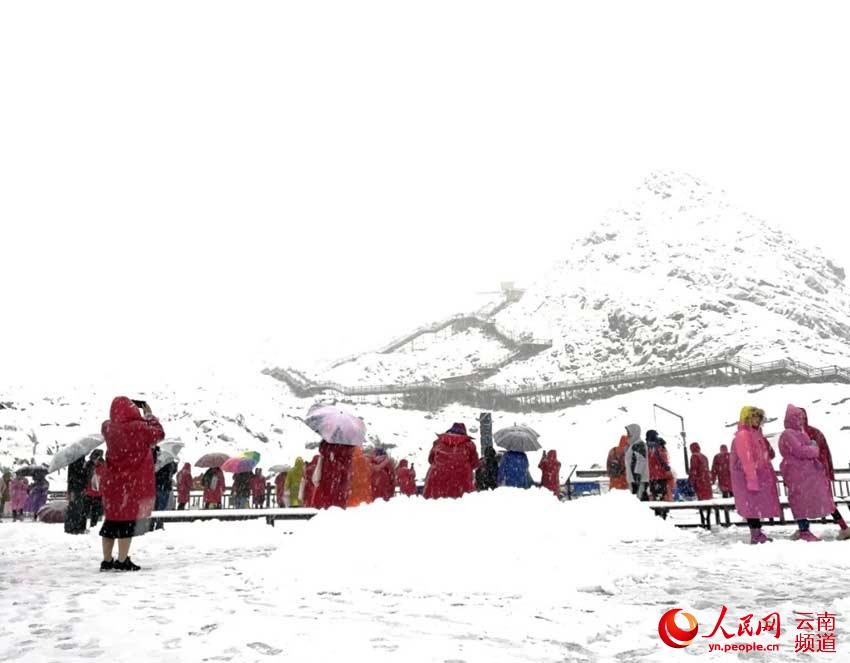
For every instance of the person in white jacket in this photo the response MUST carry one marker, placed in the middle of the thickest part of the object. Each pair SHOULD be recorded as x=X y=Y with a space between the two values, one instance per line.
x=636 y=465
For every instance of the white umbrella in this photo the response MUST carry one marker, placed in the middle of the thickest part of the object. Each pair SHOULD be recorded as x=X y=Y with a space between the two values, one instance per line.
x=277 y=469
x=169 y=450
x=72 y=452
x=336 y=425
x=517 y=438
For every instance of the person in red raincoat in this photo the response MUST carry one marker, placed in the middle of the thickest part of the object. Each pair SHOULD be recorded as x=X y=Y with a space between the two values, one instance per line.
x=333 y=475
x=280 y=489
x=824 y=454
x=213 y=483
x=699 y=475
x=184 y=486
x=721 y=472
x=616 y=465
x=128 y=486
x=453 y=460
x=307 y=481
x=383 y=476
x=406 y=478
x=258 y=489
x=550 y=467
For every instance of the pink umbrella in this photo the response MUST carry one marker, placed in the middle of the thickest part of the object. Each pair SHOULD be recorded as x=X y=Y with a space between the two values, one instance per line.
x=239 y=464
x=212 y=460
x=53 y=512
x=336 y=426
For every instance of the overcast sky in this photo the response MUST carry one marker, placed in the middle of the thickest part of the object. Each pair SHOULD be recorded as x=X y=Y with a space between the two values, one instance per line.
x=180 y=180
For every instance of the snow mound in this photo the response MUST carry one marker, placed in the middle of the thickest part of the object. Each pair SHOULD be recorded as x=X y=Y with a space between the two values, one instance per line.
x=508 y=541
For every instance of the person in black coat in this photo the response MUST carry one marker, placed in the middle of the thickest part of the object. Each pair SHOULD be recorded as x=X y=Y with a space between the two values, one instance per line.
x=164 y=481
x=487 y=474
x=76 y=515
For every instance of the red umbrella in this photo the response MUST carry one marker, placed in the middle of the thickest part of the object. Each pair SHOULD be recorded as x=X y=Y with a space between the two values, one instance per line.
x=212 y=460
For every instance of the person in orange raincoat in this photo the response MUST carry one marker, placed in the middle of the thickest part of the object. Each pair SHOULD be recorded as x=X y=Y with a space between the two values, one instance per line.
x=616 y=465
x=361 y=479
x=550 y=466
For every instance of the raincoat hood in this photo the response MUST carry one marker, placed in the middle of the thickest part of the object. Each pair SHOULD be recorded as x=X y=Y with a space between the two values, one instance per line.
x=402 y=463
x=552 y=455
x=805 y=417
x=187 y=467
x=724 y=449
x=793 y=418
x=490 y=452
x=452 y=439
x=123 y=410
x=624 y=442
x=746 y=413
x=299 y=464
x=651 y=436
x=633 y=432
x=695 y=447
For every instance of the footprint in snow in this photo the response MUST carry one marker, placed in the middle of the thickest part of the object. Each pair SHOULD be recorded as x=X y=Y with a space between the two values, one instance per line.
x=263 y=648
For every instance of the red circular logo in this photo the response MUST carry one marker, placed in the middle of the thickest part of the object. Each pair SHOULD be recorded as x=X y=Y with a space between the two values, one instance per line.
x=671 y=634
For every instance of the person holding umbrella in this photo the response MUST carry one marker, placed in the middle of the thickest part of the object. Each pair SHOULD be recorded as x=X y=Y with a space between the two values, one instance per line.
x=340 y=432
x=76 y=515
x=516 y=440
x=129 y=490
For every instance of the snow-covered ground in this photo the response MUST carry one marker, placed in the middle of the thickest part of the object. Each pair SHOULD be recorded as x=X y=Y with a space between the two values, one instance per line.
x=505 y=576
x=252 y=411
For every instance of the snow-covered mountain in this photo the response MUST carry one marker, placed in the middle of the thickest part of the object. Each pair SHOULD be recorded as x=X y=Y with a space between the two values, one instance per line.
x=677 y=273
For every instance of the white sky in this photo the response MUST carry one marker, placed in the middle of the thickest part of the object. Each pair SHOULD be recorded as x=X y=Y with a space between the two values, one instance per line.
x=179 y=180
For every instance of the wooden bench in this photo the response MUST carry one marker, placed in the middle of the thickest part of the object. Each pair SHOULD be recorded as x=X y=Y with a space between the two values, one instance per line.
x=723 y=508
x=271 y=515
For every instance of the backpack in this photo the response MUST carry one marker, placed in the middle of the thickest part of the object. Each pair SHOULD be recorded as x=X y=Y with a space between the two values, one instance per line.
x=615 y=465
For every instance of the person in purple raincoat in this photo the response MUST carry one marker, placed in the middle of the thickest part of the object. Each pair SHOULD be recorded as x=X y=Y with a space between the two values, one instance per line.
x=753 y=478
x=37 y=497
x=809 y=492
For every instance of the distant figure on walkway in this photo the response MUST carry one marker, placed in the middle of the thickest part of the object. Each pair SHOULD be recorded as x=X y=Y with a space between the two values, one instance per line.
x=753 y=477
x=615 y=467
x=184 y=486
x=699 y=475
x=360 y=491
x=453 y=459
x=213 y=483
x=296 y=482
x=382 y=476
x=280 y=489
x=406 y=478
x=94 y=480
x=550 y=468
x=636 y=464
x=76 y=514
x=806 y=479
x=129 y=490
x=487 y=474
x=38 y=491
x=5 y=490
x=721 y=472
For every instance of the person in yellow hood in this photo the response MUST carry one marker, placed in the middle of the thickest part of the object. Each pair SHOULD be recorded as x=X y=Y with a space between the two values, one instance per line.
x=293 y=482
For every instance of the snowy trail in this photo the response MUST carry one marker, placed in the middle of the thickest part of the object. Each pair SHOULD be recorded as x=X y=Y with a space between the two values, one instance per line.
x=247 y=592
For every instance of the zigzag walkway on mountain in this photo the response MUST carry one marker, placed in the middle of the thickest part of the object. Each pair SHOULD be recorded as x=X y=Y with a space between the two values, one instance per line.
x=723 y=369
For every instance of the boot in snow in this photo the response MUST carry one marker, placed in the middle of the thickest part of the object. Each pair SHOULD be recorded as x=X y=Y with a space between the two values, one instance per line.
x=808 y=536
x=757 y=536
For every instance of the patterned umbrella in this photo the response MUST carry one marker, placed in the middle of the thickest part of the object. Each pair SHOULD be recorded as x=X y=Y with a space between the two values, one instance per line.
x=239 y=464
x=336 y=426
x=212 y=460
x=517 y=438
x=53 y=512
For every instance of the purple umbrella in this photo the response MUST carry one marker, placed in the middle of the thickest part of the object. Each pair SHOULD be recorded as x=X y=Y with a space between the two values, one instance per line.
x=53 y=512
x=239 y=464
x=336 y=426
x=212 y=460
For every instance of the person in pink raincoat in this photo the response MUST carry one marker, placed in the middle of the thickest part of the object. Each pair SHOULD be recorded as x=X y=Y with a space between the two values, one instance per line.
x=753 y=478
x=809 y=492
x=18 y=489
